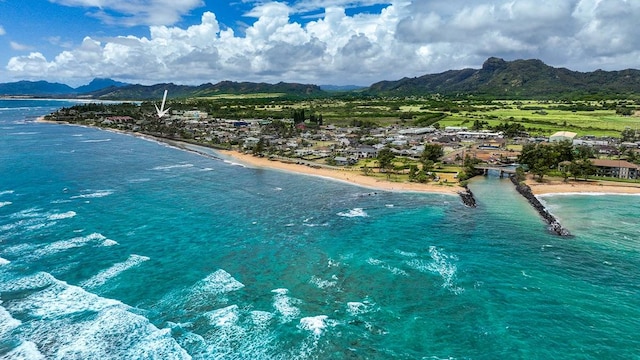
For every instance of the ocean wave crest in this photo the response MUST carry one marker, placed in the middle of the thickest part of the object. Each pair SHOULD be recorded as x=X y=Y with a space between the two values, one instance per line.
x=93 y=195
x=115 y=270
x=356 y=212
x=66 y=215
x=285 y=305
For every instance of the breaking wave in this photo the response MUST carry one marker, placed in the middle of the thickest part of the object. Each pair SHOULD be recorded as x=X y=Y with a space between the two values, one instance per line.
x=357 y=212
x=115 y=270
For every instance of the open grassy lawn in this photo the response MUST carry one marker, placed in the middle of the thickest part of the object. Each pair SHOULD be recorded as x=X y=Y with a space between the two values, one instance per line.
x=546 y=120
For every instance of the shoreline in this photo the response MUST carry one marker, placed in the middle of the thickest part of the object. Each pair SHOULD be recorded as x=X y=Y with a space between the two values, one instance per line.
x=352 y=177
x=548 y=187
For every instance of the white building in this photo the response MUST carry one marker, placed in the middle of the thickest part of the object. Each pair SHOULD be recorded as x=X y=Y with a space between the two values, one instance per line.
x=562 y=136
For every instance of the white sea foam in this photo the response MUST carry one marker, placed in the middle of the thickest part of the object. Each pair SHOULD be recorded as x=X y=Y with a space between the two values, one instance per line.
x=27 y=350
x=218 y=282
x=24 y=133
x=234 y=163
x=66 y=215
x=56 y=298
x=355 y=308
x=5 y=203
x=405 y=253
x=96 y=140
x=4 y=261
x=383 y=265
x=315 y=324
x=169 y=167
x=93 y=194
x=55 y=202
x=31 y=282
x=285 y=305
x=109 y=242
x=141 y=180
x=223 y=317
x=28 y=213
x=261 y=319
x=323 y=284
x=6 y=192
x=441 y=264
x=111 y=332
x=115 y=270
x=206 y=169
x=40 y=226
x=18 y=250
x=7 y=322
x=69 y=244
x=356 y=212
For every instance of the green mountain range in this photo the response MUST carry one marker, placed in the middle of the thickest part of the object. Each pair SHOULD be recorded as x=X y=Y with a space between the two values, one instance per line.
x=515 y=80
x=142 y=92
x=519 y=79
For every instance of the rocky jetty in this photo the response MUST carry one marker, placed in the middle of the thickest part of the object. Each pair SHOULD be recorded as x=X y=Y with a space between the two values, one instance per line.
x=467 y=197
x=554 y=225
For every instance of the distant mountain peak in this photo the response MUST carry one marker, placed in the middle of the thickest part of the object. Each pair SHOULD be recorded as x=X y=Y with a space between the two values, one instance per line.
x=99 y=84
x=493 y=64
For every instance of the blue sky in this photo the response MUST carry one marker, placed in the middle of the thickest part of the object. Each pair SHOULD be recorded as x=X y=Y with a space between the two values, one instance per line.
x=315 y=41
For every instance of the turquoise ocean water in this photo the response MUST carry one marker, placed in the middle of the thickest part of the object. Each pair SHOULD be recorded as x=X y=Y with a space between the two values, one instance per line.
x=115 y=247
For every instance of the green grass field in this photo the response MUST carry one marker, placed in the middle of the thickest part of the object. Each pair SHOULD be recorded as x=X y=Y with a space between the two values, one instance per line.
x=540 y=118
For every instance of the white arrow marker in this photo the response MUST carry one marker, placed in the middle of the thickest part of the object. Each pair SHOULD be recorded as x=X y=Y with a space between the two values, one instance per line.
x=162 y=112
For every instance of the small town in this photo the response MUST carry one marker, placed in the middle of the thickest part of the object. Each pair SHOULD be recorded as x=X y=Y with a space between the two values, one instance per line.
x=439 y=151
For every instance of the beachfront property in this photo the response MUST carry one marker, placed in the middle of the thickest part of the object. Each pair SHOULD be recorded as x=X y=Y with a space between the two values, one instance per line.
x=620 y=169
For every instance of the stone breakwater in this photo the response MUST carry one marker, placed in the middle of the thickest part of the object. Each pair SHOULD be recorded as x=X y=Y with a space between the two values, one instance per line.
x=554 y=225
x=467 y=197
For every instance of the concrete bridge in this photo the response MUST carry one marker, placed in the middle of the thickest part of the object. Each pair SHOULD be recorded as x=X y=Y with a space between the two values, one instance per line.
x=501 y=169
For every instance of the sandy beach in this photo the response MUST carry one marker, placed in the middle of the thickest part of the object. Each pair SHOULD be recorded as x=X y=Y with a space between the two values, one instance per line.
x=349 y=176
x=553 y=186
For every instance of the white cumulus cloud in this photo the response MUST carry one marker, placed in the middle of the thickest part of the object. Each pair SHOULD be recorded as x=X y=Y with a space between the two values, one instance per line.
x=405 y=38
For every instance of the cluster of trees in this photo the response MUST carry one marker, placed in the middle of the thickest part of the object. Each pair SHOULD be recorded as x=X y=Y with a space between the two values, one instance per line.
x=430 y=155
x=430 y=119
x=542 y=158
x=630 y=135
x=625 y=111
x=300 y=117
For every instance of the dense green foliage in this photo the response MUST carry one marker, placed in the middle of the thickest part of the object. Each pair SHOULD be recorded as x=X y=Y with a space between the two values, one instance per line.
x=540 y=159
